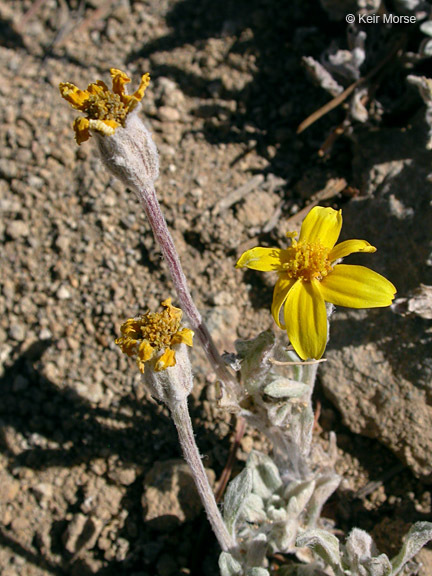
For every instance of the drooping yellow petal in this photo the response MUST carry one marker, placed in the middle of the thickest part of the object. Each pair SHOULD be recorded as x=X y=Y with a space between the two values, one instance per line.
x=349 y=247
x=73 y=95
x=283 y=286
x=119 y=79
x=306 y=319
x=185 y=336
x=81 y=127
x=146 y=351
x=131 y=328
x=166 y=360
x=321 y=225
x=105 y=127
x=357 y=287
x=264 y=259
x=128 y=345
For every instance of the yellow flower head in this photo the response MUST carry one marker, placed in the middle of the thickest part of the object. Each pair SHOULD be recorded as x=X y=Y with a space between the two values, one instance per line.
x=154 y=332
x=309 y=276
x=105 y=109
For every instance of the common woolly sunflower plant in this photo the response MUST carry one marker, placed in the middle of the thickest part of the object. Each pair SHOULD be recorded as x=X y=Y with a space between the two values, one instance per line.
x=274 y=505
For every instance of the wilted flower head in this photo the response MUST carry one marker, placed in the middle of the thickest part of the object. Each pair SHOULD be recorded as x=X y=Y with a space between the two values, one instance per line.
x=105 y=109
x=153 y=336
x=309 y=276
x=126 y=146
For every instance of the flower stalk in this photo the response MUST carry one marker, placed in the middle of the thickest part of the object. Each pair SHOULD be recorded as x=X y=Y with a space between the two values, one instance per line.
x=152 y=208
x=182 y=421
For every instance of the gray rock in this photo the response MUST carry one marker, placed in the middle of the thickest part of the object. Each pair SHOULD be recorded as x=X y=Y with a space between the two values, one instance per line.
x=379 y=369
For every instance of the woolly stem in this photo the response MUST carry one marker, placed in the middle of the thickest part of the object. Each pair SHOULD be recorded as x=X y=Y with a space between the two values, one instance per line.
x=182 y=421
x=160 y=230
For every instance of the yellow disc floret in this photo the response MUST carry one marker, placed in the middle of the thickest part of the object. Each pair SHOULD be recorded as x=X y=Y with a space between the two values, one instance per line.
x=306 y=261
x=154 y=332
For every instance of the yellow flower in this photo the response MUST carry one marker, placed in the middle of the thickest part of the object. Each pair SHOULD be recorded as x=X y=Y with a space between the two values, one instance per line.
x=152 y=333
x=105 y=109
x=309 y=276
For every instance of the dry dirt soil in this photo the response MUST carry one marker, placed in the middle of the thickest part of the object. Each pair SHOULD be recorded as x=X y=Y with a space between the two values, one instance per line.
x=91 y=480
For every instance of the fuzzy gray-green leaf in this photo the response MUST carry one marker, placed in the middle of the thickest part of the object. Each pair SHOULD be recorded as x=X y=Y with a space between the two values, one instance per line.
x=254 y=356
x=417 y=537
x=286 y=388
x=324 y=544
x=228 y=566
x=266 y=477
x=235 y=497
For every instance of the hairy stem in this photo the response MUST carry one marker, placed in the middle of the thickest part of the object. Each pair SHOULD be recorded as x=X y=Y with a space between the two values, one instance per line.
x=182 y=421
x=160 y=230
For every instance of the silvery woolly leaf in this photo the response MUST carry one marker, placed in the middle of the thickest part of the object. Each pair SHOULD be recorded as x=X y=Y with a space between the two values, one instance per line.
x=324 y=488
x=360 y=549
x=279 y=413
x=426 y=48
x=359 y=545
x=253 y=510
x=286 y=388
x=266 y=477
x=299 y=499
x=257 y=572
x=417 y=537
x=324 y=544
x=228 y=566
x=237 y=492
x=276 y=514
x=283 y=536
x=426 y=27
x=256 y=552
x=254 y=356
x=378 y=566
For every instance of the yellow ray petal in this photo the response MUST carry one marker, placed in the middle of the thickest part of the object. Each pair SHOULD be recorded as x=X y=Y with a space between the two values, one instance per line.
x=357 y=287
x=132 y=101
x=97 y=88
x=264 y=259
x=145 y=351
x=323 y=225
x=172 y=310
x=184 y=335
x=283 y=286
x=73 y=95
x=81 y=127
x=119 y=79
x=145 y=81
x=166 y=360
x=306 y=319
x=349 y=247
